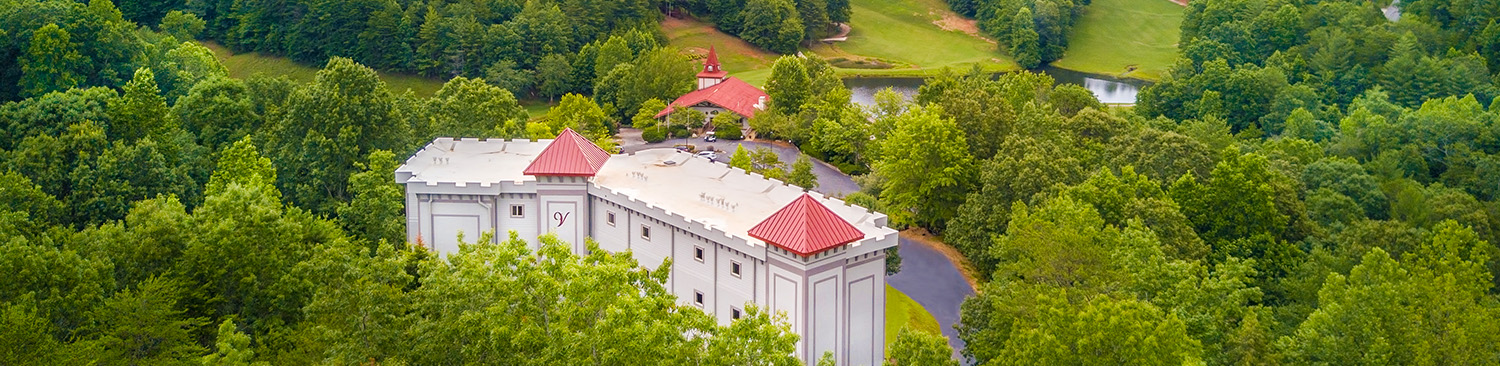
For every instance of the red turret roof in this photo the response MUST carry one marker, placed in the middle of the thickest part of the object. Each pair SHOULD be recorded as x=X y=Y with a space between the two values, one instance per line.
x=806 y=227
x=569 y=155
x=711 y=67
x=732 y=94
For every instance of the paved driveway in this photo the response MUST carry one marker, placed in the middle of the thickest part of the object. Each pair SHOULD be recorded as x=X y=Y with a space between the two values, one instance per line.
x=933 y=281
x=830 y=180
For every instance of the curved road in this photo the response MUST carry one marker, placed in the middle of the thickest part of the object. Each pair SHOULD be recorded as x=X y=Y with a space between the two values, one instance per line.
x=927 y=276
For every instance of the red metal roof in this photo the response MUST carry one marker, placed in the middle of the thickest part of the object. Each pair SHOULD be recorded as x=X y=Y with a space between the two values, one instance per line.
x=733 y=94
x=806 y=227
x=570 y=155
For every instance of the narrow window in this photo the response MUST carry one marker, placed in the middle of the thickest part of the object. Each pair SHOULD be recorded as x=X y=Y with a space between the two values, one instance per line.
x=734 y=268
x=609 y=218
x=698 y=253
x=645 y=232
x=734 y=313
x=698 y=298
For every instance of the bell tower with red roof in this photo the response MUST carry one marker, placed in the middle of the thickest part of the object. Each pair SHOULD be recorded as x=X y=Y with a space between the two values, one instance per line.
x=713 y=73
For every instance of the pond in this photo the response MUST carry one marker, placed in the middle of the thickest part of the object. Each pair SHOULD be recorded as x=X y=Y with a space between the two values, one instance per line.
x=1108 y=90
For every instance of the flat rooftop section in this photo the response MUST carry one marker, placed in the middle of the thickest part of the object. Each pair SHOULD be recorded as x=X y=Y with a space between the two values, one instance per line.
x=446 y=160
x=715 y=194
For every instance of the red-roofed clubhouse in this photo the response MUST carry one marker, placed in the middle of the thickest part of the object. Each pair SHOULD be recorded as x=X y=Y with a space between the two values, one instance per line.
x=718 y=92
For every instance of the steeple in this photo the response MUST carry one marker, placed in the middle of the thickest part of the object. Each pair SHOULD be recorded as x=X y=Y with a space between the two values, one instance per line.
x=713 y=72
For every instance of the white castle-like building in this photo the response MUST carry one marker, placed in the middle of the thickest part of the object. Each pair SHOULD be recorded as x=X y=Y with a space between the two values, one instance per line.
x=734 y=237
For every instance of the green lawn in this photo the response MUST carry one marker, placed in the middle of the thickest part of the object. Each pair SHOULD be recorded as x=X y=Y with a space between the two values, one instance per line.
x=907 y=35
x=902 y=311
x=243 y=65
x=1115 y=35
x=901 y=33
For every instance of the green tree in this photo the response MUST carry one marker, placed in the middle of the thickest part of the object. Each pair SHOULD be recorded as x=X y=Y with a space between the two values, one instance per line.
x=232 y=348
x=142 y=111
x=802 y=173
x=104 y=187
x=242 y=164
x=26 y=337
x=759 y=338
x=815 y=18
x=1024 y=41
x=328 y=126
x=554 y=76
x=144 y=325
x=183 y=26
x=927 y=165
x=1238 y=201
x=1347 y=177
x=766 y=162
x=1428 y=310
x=612 y=52
x=51 y=62
x=219 y=111
x=377 y=213
x=645 y=117
x=358 y=312
x=774 y=25
x=1103 y=331
x=788 y=86
x=467 y=107
x=917 y=348
x=579 y=113
x=741 y=158
x=509 y=76
x=726 y=125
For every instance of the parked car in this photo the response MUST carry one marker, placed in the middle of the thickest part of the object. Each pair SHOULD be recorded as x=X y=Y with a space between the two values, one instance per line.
x=708 y=155
x=710 y=137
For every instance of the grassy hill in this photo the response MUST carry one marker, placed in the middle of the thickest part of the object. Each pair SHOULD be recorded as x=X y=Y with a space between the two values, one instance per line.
x=740 y=58
x=900 y=37
x=243 y=65
x=1127 y=38
x=915 y=37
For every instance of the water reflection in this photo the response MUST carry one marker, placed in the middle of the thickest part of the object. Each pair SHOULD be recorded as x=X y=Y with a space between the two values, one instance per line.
x=1109 y=91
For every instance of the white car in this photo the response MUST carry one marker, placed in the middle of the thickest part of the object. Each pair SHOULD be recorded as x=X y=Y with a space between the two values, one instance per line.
x=708 y=155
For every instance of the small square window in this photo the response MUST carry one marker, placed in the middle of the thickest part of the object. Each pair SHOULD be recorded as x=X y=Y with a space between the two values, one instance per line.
x=517 y=210
x=734 y=313
x=698 y=253
x=698 y=298
x=609 y=218
x=645 y=232
x=734 y=268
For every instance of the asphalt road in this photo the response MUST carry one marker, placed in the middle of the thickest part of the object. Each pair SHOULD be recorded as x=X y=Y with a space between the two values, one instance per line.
x=933 y=281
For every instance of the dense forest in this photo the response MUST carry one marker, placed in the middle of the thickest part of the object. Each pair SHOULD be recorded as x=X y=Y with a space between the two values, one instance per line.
x=1311 y=184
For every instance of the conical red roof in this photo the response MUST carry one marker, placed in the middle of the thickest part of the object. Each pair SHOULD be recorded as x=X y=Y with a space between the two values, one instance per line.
x=806 y=227
x=713 y=57
x=569 y=155
x=711 y=67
